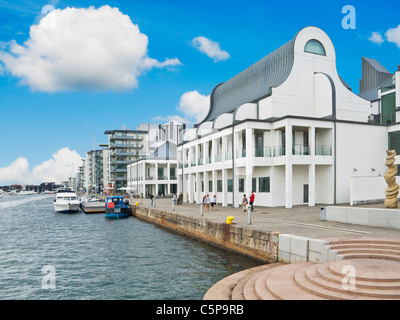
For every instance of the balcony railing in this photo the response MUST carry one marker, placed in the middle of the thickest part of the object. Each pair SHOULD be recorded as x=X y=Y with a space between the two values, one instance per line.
x=241 y=153
x=264 y=152
x=300 y=149
x=279 y=151
x=323 y=150
x=228 y=156
x=218 y=157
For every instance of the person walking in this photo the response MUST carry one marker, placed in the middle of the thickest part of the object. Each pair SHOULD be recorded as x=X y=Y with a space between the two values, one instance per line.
x=214 y=203
x=204 y=202
x=181 y=198
x=208 y=202
x=244 y=202
x=252 y=197
x=151 y=199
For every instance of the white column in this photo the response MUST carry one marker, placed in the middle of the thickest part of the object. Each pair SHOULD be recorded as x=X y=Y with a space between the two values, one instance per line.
x=249 y=160
x=198 y=194
x=224 y=188
x=156 y=178
x=190 y=188
x=288 y=167
x=311 y=168
x=214 y=183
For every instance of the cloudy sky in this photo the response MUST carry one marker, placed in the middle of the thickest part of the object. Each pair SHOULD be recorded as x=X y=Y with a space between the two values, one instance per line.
x=73 y=69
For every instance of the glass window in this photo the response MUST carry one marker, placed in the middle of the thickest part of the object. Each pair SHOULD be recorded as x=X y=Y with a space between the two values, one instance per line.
x=389 y=84
x=241 y=185
x=314 y=46
x=263 y=184
x=219 y=185
x=254 y=184
x=230 y=185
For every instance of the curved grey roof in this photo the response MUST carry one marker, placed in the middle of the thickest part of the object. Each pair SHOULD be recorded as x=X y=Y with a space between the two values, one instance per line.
x=253 y=83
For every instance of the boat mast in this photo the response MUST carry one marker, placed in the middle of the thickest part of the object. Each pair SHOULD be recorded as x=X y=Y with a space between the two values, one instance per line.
x=94 y=166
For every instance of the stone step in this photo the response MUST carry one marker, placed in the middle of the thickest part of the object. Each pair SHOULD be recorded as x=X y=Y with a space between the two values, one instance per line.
x=368 y=269
x=248 y=285
x=368 y=251
x=222 y=290
x=348 y=290
x=315 y=289
x=325 y=272
x=377 y=246
x=282 y=286
x=249 y=292
x=371 y=256
x=338 y=241
x=261 y=289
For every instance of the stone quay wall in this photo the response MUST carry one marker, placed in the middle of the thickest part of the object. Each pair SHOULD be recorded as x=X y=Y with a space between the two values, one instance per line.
x=247 y=241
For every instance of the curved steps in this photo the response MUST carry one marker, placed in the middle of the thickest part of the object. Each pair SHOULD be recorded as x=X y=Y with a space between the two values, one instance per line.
x=370 y=269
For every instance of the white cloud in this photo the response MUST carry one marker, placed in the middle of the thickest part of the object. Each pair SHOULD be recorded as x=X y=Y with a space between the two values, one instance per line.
x=193 y=108
x=393 y=35
x=64 y=163
x=210 y=48
x=194 y=105
x=73 y=49
x=376 y=37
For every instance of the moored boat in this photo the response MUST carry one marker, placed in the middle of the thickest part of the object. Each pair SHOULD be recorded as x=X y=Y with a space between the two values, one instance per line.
x=116 y=208
x=66 y=201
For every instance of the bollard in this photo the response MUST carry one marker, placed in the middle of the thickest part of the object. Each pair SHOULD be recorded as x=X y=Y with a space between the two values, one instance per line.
x=201 y=209
x=229 y=219
x=248 y=214
x=173 y=205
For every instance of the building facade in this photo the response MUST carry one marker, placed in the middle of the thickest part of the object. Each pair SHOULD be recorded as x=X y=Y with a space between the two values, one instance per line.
x=125 y=147
x=288 y=128
x=157 y=173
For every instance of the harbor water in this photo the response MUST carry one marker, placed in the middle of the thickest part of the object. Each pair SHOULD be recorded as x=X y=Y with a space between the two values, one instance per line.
x=48 y=255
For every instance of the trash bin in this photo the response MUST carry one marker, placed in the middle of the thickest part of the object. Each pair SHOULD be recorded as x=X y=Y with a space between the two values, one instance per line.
x=322 y=213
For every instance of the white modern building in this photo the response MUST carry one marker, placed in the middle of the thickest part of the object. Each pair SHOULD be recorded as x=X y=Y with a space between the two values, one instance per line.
x=290 y=129
x=157 y=172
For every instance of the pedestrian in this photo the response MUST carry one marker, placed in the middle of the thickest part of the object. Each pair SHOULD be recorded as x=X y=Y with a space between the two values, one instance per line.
x=204 y=202
x=181 y=198
x=244 y=202
x=151 y=199
x=252 y=199
x=208 y=202
x=174 y=198
x=214 y=203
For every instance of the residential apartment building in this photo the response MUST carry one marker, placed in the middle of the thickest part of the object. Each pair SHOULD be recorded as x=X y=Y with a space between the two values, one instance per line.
x=125 y=146
x=288 y=128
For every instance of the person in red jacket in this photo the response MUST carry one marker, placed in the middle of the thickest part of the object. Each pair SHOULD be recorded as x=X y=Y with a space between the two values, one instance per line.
x=252 y=200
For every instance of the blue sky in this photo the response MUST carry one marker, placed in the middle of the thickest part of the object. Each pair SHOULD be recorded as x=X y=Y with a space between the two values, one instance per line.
x=38 y=122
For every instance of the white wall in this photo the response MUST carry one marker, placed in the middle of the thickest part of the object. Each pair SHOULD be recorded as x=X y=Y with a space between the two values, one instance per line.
x=360 y=147
x=306 y=94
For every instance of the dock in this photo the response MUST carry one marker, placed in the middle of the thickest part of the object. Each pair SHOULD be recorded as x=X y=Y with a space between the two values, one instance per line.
x=94 y=207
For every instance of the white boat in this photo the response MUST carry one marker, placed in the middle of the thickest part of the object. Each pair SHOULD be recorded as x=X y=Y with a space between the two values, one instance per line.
x=66 y=201
x=25 y=192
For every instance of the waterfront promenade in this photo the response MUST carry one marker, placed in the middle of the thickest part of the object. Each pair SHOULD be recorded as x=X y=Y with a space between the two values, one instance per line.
x=300 y=220
x=373 y=253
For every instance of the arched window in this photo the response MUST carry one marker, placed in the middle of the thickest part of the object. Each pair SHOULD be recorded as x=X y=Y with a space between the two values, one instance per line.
x=314 y=46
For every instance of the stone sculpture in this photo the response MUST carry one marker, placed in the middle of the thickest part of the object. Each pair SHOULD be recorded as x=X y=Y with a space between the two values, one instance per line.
x=392 y=191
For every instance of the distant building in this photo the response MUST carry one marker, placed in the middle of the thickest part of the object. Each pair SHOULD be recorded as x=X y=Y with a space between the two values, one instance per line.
x=157 y=172
x=126 y=146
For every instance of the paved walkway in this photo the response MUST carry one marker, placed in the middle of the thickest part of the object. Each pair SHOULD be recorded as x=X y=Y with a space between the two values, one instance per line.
x=300 y=220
